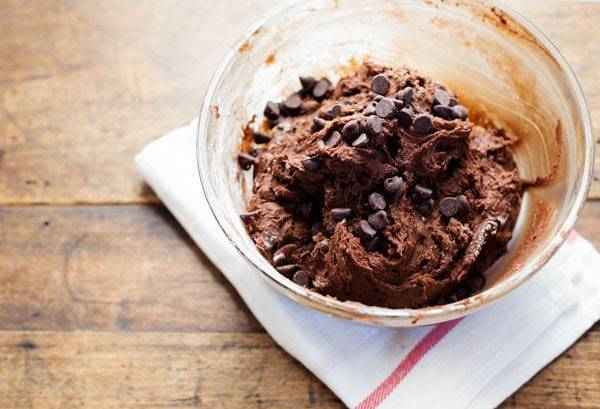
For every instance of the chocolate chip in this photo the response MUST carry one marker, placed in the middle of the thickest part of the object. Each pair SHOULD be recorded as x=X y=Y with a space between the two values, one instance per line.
x=269 y=242
x=254 y=152
x=301 y=277
x=287 y=269
x=422 y=124
x=336 y=110
x=377 y=201
x=279 y=258
x=283 y=111
x=476 y=283
x=443 y=111
x=441 y=97
x=316 y=228
x=333 y=139
x=399 y=104
x=366 y=230
x=379 y=220
x=340 y=213
x=385 y=108
x=380 y=84
x=317 y=124
x=312 y=164
x=260 y=137
x=321 y=88
x=369 y=110
x=272 y=110
x=371 y=245
x=306 y=209
x=373 y=125
x=246 y=161
x=449 y=206
x=422 y=192
x=405 y=95
x=351 y=130
x=460 y=112
x=246 y=217
x=293 y=103
x=308 y=83
x=405 y=117
x=361 y=142
x=394 y=185
x=425 y=206
x=464 y=204
x=452 y=102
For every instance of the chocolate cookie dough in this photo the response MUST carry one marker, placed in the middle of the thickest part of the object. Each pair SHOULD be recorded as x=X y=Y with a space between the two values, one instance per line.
x=380 y=190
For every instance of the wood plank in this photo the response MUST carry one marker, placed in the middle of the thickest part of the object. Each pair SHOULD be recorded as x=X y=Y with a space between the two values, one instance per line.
x=152 y=370
x=129 y=268
x=78 y=99
x=121 y=370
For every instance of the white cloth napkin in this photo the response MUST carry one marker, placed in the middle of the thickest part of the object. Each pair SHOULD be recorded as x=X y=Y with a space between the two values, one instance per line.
x=476 y=362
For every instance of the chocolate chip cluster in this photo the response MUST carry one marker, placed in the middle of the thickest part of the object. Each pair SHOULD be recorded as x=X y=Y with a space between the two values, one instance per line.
x=358 y=131
x=304 y=101
x=379 y=189
x=400 y=106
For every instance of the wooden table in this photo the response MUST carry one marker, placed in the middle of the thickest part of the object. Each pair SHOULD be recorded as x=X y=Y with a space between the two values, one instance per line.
x=104 y=300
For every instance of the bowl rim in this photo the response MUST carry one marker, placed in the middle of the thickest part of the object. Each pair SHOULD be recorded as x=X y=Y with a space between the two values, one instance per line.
x=427 y=315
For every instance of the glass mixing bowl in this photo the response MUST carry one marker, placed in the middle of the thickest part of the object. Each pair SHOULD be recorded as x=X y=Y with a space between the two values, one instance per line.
x=502 y=68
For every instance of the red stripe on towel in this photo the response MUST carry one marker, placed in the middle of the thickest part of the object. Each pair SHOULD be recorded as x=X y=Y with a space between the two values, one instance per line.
x=386 y=387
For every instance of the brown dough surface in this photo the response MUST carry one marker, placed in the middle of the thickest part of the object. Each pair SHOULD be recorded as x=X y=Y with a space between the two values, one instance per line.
x=422 y=259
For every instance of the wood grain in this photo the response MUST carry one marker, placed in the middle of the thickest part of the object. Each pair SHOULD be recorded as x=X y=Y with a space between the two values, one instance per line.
x=43 y=369
x=129 y=268
x=78 y=99
x=106 y=370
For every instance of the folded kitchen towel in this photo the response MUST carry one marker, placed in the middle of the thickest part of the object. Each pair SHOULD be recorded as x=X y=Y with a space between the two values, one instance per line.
x=474 y=362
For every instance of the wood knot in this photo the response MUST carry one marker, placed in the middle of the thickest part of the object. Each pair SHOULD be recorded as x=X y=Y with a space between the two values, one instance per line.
x=27 y=345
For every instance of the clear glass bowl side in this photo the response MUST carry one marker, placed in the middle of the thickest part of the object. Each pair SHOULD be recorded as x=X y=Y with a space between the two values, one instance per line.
x=505 y=68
